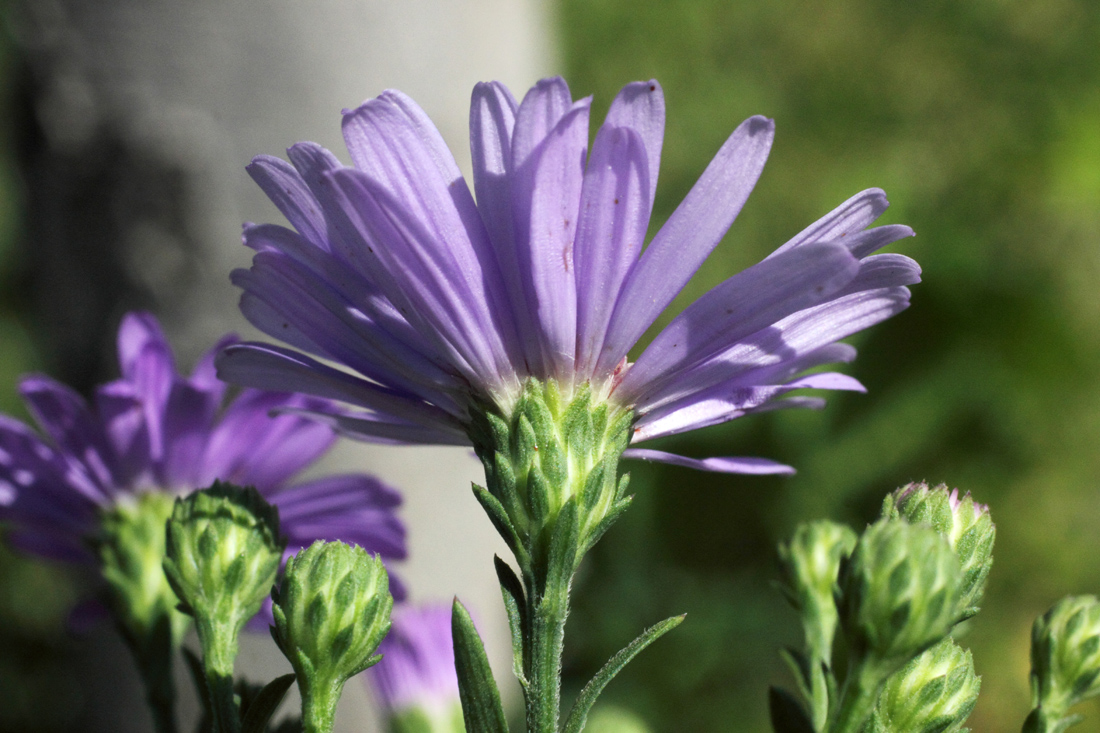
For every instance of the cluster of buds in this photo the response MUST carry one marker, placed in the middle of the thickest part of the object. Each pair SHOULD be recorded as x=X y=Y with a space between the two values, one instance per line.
x=896 y=591
x=331 y=611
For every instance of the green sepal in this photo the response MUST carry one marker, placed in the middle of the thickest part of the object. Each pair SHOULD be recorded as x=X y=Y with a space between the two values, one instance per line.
x=563 y=556
x=579 y=714
x=593 y=536
x=264 y=705
x=499 y=517
x=516 y=606
x=787 y=714
x=481 y=708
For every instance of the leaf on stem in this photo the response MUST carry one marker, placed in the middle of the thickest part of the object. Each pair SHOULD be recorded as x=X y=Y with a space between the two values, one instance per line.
x=579 y=714
x=481 y=708
x=515 y=605
x=265 y=704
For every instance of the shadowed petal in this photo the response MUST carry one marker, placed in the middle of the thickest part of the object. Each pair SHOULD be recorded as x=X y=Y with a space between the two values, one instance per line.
x=853 y=215
x=283 y=184
x=640 y=106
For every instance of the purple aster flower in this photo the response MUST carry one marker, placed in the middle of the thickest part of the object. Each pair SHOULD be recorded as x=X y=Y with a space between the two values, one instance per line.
x=439 y=306
x=416 y=676
x=154 y=430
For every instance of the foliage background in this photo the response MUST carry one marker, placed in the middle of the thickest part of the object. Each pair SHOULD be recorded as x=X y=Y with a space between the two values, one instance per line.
x=981 y=119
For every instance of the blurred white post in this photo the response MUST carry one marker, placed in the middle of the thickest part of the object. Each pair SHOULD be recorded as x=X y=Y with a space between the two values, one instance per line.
x=207 y=84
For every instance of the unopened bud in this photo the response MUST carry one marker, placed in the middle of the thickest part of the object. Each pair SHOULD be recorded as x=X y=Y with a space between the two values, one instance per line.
x=899 y=592
x=331 y=612
x=224 y=550
x=1065 y=654
x=965 y=524
x=810 y=562
x=934 y=693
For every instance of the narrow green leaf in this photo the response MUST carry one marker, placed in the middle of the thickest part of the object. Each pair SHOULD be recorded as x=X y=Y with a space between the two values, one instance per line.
x=799 y=664
x=579 y=714
x=481 y=708
x=265 y=704
x=788 y=716
x=515 y=605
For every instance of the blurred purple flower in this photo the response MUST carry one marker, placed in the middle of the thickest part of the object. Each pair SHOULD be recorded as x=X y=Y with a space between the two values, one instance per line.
x=442 y=305
x=418 y=663
x=155 y=430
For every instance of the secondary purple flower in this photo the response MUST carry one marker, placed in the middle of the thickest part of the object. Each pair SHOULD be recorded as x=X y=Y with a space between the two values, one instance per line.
x=416 y=678
x=443 y=308
x=155 y=431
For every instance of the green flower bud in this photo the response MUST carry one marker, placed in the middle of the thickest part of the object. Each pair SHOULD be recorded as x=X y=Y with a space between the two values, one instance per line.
x=131 y=554
x=810 y=563
x=933 y=693
x=1065 y=654
x=899 y=593
x=224 y=551
x=331 y=611
x=965 y=524
x=554 y=455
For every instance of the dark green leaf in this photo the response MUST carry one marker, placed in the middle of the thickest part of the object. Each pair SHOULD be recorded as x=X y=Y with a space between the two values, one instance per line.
x=265 y=704
x=579 y=714
x=481 y=708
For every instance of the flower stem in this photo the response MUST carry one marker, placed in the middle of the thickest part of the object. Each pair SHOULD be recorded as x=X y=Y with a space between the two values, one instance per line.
x=319 y=706
x=219 y=649
x=858 y=697
x=548 y=613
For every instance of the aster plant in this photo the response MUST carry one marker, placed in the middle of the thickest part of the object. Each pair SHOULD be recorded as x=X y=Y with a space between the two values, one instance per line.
x=96 y=486
x=506 y=324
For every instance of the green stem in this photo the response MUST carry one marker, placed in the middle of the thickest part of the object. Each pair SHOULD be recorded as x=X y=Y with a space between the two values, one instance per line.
x=858 y=697
x=219 y=650
x=548 y=614
x=319 y=705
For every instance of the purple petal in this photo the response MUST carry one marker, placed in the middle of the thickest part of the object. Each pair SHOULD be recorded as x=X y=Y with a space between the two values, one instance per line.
x=273 y=368
x=853 y=215
x=249 y=447
x=492 y=118
x=65 y=417
x=730 y=464
x=356 y=509
x=615 y=209
x=640 y=106
x=546 y=193
x=306 y=302
x=884 y=271
x=542 y=109
x=122 y=414
x=445 y=301
x=284 y=185
x=381 y=428
x=417 y=668
x=739 y=307
x=870 y=240
x=690 y=234
x=188 y=419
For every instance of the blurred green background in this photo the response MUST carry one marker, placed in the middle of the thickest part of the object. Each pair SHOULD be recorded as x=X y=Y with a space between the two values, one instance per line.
x=981 y=120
